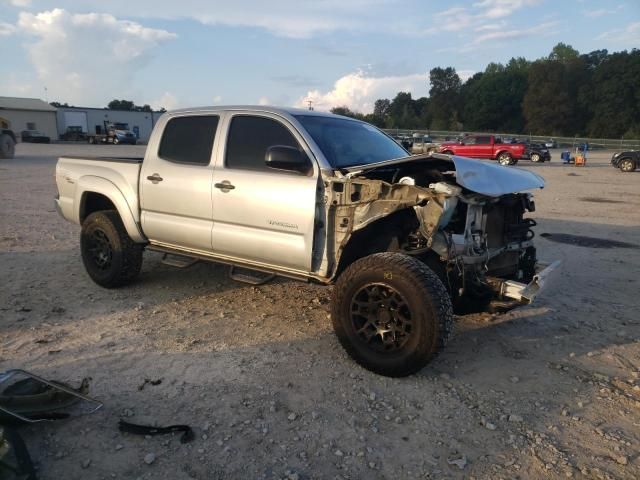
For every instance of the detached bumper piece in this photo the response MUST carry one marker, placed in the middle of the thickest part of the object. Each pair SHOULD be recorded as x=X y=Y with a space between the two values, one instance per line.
x=526 y=293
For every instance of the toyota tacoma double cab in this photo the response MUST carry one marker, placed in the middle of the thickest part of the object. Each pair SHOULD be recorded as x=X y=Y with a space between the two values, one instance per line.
x=319 y=198
x=486 y=147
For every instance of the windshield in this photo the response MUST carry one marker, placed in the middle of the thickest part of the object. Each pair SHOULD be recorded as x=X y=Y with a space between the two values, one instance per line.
x=346 y=143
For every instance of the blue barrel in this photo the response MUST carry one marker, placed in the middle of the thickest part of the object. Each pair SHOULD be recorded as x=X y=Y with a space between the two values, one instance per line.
x=565 y=156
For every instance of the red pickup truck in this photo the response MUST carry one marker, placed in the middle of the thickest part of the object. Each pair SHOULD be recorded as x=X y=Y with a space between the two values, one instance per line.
x=487 y=147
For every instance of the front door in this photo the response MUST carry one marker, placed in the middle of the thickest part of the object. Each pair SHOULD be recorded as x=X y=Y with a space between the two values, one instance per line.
x=262 y=215
x=175 y=183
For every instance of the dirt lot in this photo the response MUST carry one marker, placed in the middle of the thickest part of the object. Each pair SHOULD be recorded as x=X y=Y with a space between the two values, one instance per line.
x=545 y=391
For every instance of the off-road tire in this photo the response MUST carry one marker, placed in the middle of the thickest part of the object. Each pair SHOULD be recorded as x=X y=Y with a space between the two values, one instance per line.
x=7 y=146
x=535 y=157
x=627 y=165
x=426 y=298
x=125 y=257
x=505 y=158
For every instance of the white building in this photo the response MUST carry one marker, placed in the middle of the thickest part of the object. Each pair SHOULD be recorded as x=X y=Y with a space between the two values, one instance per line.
x=29 y=114
x=92 y=120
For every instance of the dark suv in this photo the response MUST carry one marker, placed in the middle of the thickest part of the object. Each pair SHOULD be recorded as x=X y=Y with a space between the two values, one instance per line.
x=626 y=161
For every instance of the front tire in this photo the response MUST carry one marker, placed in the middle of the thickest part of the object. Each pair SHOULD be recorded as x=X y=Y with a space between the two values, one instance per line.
x=110 y=256
x=391 y=313
x=7 y=146
x=627 y=165
x=535 y=157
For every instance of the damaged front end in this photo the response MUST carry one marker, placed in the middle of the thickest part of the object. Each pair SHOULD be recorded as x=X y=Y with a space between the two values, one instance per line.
x=464 y=218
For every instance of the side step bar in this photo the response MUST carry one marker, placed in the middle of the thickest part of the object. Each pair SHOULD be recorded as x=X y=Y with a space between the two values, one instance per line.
x=251 y=277
x=178 y=261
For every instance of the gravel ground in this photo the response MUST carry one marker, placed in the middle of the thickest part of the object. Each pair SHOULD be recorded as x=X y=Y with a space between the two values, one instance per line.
x=545 y=391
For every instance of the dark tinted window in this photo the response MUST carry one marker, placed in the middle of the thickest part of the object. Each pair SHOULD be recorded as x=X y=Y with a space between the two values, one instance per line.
x=483 y=140
x=250 y=137
x=189 y=139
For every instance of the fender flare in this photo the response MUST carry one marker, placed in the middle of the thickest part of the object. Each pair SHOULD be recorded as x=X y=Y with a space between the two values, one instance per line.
x=505 y=150
x=93 y=184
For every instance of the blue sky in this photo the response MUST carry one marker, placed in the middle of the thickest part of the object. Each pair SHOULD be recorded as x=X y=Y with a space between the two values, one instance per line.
x=282 y=52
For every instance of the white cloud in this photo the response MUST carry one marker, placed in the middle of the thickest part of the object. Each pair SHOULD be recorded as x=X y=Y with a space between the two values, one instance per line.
x=264 y=101
x=287 y=18
x=20 y=3
x=543 y=28
x=167 y=101
x=503 y=8
x=6 y=29
x=358 y=91
x=602 y=12
x=627 y=37
x=87 y=58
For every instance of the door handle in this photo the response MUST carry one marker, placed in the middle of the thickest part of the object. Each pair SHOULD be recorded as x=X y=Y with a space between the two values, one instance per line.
x=225 y=185
x=155 y=178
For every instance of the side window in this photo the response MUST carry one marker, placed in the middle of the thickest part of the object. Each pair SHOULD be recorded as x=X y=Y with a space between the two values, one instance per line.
x=189 y=139
x=250 y=137
x=483 y=140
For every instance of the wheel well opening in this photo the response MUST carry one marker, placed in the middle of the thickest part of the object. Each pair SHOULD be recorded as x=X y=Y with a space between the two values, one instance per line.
x=94 y=202
x=384 y=235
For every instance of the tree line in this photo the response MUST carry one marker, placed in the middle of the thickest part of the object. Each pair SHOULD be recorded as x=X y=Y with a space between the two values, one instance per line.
x=595 y=94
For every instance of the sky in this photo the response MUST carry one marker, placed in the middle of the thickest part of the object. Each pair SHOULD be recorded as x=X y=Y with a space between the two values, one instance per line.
x=185 y=53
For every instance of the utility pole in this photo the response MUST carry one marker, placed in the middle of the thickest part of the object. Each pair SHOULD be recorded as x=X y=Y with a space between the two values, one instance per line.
x=46 y=96
x=310 y=102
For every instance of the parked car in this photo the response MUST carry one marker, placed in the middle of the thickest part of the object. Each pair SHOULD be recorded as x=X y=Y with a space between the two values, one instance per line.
x=626 y=161
x=423 y=144
x=319 y=198
x=538 y=152
x=551 y=143
x=486 y=147
x=34 y=136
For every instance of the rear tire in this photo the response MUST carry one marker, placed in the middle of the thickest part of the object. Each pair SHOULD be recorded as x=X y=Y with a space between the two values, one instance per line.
x=110 y=256
x=535 y=157
x=7 y=146
x=627 y=165
x=391 y=313
x=505 y=159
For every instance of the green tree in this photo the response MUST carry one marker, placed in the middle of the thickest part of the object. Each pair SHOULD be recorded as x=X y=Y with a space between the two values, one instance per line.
x=546 y=105
x=616 y=95
x=444 y=94
x=563 y=53
x=126 y=105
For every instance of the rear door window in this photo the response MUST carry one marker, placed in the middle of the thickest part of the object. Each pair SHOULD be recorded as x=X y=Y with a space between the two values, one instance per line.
x=189 y=139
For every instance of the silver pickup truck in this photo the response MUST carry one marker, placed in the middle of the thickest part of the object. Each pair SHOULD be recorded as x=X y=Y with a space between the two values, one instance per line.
x=322 y=198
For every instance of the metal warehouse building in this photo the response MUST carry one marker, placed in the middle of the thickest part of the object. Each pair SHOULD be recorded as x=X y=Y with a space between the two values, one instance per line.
x=29 y=114
x=92 y=120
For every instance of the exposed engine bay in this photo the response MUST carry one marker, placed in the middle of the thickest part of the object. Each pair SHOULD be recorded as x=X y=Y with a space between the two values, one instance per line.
x=464 y=218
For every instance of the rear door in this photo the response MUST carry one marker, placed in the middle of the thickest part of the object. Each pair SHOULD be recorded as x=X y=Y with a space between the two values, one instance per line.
x=175 y=183
x=262 y=215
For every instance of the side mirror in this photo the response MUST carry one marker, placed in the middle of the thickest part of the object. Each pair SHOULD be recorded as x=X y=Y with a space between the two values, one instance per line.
x=281 y=157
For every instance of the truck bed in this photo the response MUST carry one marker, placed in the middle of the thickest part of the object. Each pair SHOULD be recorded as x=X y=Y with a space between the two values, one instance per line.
x=75 y=174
